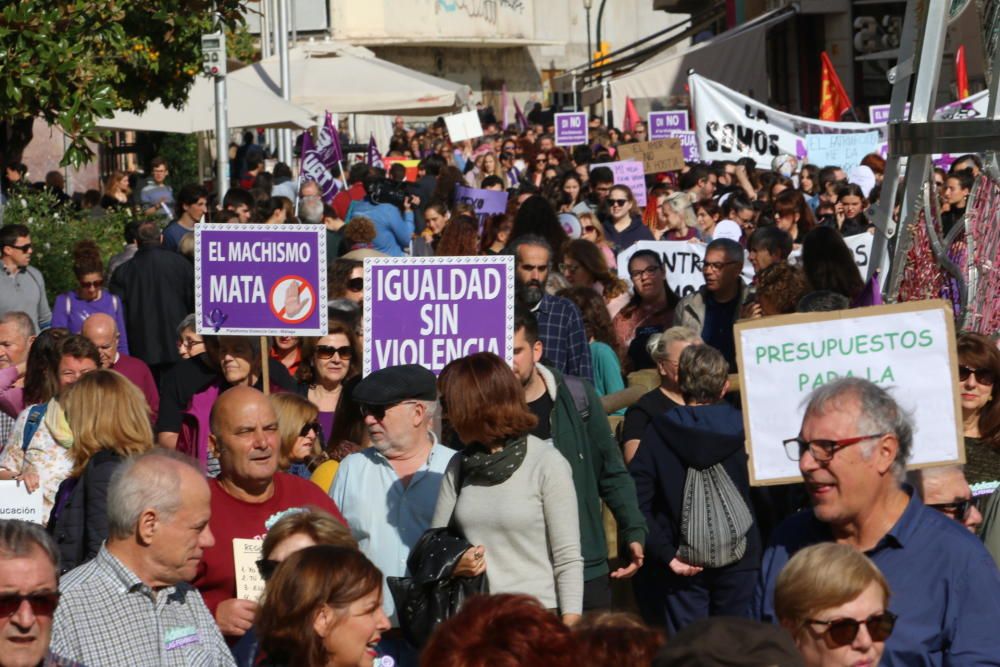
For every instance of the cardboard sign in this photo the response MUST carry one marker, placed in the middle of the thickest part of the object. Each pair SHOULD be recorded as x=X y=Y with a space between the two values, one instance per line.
x=841 y=150
x=682 y=260
x=462 y=126
x=260 y=280
x=571 y=128
x=907 y=348
x=629 y=173
x=660 y=124
x=656 y=156
x=17 y=503
x=484 y=202
x=249 y=583
x=432 y=310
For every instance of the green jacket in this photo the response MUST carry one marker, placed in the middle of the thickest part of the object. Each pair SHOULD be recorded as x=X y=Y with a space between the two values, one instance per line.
x=598 y=472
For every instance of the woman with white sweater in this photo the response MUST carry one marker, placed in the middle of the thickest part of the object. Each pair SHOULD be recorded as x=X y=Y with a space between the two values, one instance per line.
x=509 y=493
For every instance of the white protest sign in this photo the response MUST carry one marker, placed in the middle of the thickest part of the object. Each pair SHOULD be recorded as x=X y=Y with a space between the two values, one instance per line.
x=630 y=173
x=841 y=150
x=682 y=261
x=17 y=503
x=860 y=246
x=462 y=126
x=906 y=348
x=249 y=583
x=731 y=125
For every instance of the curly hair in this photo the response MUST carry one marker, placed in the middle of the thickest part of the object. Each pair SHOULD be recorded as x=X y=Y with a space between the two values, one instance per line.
x=783 y=285
x=590 y=257
x=86 y=258
x=460 y=238
x=615 y=638
x=359 y=231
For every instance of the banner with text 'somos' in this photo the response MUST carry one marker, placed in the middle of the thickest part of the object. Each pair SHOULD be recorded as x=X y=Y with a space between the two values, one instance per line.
x=433 y=310
x=260 y=280
x=907 y=349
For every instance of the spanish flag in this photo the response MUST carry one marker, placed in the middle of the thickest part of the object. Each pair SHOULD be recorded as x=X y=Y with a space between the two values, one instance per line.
x=961 y=73
x=833 y=101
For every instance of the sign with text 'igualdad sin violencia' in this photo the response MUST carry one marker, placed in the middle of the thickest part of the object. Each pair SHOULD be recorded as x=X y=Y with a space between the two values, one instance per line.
x=260 y=280
x=907 y=348
x=433 y=310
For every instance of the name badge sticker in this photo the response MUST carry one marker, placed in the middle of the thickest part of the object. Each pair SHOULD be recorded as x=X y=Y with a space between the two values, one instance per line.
x=176 y=638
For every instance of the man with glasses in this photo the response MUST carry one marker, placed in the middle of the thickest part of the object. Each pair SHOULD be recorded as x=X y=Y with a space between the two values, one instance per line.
x=852 y=449
x=101 y=330
x=388 y=491
x=945 y=489
x=714 y=308
x=22 y=287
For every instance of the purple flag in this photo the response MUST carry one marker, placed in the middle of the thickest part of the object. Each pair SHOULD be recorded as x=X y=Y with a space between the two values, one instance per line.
x=871 y=295
x=374 y=158
x=521 y=120
x=313 y=168
x=328 y=145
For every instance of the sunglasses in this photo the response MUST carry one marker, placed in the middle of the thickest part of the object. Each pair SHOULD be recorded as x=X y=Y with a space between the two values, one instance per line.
x=91 y=283
x=843 y=630
x=23 y=248
x=309 y=426
x=266 y=567
x=327 y=351
x=356 y=284
x=378 y=411
x=617 y=202
x=959 y=509
x=983 y=375
x=42 y=604
x=589 y=229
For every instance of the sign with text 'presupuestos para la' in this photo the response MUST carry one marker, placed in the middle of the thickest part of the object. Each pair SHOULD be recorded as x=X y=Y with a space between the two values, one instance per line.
x=433 y=310
x=260 y=280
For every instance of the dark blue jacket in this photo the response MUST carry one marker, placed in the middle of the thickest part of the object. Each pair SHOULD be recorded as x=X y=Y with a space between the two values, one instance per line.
x=688 y=437
x=626 y=238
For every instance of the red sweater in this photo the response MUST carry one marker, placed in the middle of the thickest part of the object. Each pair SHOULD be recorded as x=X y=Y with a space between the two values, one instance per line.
x=232 y=518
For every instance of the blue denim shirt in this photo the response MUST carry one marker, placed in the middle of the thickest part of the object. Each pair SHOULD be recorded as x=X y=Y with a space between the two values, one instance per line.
x=945 y=586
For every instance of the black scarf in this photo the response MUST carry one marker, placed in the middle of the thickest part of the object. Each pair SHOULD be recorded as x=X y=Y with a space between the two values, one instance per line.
x=481 y=468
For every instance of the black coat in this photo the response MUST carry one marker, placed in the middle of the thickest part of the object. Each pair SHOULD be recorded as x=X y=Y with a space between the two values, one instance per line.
x=157 y=289
x=81 y=526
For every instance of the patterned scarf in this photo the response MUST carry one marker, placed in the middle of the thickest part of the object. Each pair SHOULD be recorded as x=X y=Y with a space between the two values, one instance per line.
x=55 y=421
x=482 y=468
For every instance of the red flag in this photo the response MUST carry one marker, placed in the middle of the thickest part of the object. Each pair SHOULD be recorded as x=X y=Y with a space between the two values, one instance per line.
x=631 y=115
x=961 y=73
x=833 y=100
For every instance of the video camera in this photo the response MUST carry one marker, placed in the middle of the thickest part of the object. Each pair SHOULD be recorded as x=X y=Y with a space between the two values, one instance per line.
x=387 y=191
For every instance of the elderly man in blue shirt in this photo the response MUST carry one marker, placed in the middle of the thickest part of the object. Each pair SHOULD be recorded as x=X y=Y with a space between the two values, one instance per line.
x=388 y=492
x=852 y=450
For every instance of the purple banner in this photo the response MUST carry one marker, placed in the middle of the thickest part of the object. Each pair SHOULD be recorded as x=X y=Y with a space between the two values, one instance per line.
x=484 y=202
x=314 y=169
x=260 y=280
x=328 y=144
x=571 y=128
x=433 y=310
x=660 y=124
x=689 y=143
x=629 y=173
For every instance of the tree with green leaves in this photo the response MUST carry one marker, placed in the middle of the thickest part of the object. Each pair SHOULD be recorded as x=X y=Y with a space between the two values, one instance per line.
x=75 y=61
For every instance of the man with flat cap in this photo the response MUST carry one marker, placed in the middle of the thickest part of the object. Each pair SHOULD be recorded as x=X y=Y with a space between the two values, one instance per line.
x=388 y=492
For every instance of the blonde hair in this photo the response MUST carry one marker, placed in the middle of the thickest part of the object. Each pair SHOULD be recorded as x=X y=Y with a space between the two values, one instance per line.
x=320 y=526
x=293 y=413
x=105 y=410
x=598 y=228
x=820 y=577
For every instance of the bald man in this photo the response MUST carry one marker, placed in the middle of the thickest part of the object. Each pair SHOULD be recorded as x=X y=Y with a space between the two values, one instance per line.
x=248 y=496
x=102 y=331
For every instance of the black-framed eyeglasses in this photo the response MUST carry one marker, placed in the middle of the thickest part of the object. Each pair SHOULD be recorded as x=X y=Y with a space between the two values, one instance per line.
x=266 y=567
x=309 y=426
x=378 y=411
x=984 y=376
x=716 y=266
x=843 y=631
x=641 y=273
x=821 y=450
x=958 y=509
x=42 y=604
x=356 y=284
x=327 y=351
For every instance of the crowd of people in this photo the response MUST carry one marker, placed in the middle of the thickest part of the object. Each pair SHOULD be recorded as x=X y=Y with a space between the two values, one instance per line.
x=587 y=504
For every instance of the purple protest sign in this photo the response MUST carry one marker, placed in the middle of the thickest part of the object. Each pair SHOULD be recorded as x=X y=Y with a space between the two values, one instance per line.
x=260 y=280
x=630 y=173
x=689 y=143
x=878 y=114
x=328 y=144
x=484 y=202
x=571 y=128
x=433 y=310
x=314 y=169
x=662 y=123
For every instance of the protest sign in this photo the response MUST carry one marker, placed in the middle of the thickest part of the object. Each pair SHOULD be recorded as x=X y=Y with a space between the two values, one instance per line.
x=432 y=310
x=656 y=156
x=689 y=144
x=860 y=246
x=17 y=503
x=731 y=125
x=841 y=150
x=878 y=114
x=571 y=128
x=484 y=202
x=411 y=166
x=629 y=173
x=262 y=280
x=249 y=583
x=660 y=124
x=462 y=126
x=682 y=261
x=907 y=348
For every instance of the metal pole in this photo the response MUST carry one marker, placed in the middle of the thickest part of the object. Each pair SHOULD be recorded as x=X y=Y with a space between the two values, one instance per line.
x=265 y=29
x=286 y=79
x=590 y=50
x=221 y=141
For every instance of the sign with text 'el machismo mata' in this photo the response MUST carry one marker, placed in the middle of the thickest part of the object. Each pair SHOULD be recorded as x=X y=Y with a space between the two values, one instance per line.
x=260 y=280
x=433 y=310
x=908 y=349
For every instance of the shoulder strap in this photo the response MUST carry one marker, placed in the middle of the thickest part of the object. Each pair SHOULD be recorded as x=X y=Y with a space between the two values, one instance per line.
x=579 y=393
x=114 y=303
x=35 y=415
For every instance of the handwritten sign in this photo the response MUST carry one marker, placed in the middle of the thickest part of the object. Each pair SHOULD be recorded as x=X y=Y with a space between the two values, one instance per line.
x=689 y=144
x=656 y=156
x=629 y=173
x=260 y=280
x=906 y=348
x=17 y=503
x=662 y=123
x=844 y=150
x=484 y=202
x=432 y=310
x=249 y=583
x=462 y=126
x=571 y=128
x=682 y=260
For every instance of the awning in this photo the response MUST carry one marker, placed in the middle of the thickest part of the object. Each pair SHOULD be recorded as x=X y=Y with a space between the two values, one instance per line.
x=736 y=59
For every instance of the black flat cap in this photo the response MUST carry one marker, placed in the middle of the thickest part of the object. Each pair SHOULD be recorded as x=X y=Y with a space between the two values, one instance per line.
x=395 y=384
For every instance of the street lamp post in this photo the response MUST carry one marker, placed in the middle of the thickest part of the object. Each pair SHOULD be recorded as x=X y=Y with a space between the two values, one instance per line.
x=587 y=5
